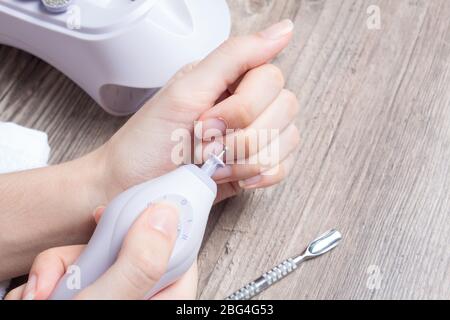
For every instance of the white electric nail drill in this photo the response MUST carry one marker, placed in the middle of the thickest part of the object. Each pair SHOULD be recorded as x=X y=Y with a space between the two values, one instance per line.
x=189 y=187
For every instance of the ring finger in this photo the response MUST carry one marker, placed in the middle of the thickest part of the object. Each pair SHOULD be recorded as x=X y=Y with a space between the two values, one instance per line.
x=257 y=90
x=267 y=158
x=245 y=143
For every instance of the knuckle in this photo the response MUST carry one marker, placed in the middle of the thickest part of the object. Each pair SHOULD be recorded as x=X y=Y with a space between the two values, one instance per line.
x=254 y=170
x=274 y=175
x=282 y=173
x=183 y=98
x=230 y=46
x=290 y=102
x=275 y=73
x=294 y=135
x=144 y=271
x=243 y=111
x=234 y=48
x=180 y=74
x=177 y=92
x=45 y=255
x=188 y=67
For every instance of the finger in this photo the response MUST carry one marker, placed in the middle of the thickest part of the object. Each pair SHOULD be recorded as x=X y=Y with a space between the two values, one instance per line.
x=183 y=72
x=233 y=58
x=143 y=259
x=223 y=97
x=279 y=114
x=267 y=158
x=230 y=90
x=245 y=143
x=270 y=177
x=227 y=190
x=48 y=267
x=183 y=289
x=16 y=294
x=257 y=90
x=98 y=212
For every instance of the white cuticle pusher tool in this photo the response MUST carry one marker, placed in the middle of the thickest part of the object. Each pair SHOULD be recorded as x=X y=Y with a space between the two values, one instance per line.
x=189 y=188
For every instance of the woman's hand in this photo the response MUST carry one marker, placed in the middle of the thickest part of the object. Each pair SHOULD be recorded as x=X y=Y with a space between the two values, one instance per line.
x=142 y=261
x=232 y=88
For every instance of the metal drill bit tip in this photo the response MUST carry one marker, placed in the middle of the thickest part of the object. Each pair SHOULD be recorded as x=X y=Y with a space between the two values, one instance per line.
x=221 y=155
x=214 y=162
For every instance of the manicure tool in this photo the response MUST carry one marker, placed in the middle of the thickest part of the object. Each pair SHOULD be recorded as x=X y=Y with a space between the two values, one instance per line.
x=189 y=188
x=317 y=247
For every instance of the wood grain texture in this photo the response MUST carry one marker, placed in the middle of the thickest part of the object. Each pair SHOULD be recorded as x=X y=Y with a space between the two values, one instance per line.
x=374 y=158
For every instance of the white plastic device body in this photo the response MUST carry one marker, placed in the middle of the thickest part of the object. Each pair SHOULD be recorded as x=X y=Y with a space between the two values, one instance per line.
x=119 y=51
x=188 y=187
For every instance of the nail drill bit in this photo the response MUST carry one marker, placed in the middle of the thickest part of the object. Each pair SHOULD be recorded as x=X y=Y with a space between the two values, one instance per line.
x=214 y=162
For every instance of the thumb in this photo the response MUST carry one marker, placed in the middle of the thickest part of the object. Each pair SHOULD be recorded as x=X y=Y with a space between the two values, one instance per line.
x=143 y=258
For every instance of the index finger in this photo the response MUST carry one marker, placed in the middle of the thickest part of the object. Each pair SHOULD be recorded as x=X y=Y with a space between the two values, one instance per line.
x=235 y=57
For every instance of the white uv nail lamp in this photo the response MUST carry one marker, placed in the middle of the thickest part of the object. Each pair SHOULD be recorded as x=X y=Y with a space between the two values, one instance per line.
x=119 y=51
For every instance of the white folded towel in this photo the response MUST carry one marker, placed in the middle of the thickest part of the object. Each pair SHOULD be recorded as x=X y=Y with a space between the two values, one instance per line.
x=21 y=149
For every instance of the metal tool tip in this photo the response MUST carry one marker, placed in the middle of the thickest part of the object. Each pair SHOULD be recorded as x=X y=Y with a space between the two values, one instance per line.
x=325 y=242
x=222 y=153
x=214 y=162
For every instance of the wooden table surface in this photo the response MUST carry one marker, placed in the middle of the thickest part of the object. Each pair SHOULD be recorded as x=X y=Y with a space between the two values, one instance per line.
x=374 y=160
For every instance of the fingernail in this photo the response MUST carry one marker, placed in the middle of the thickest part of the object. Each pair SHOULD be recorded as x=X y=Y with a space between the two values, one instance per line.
x=223 y=173
x=97 y=213
x=30 y=289
x=251 y=182
x=278 y=30
x=214 y=128
x=161 y=219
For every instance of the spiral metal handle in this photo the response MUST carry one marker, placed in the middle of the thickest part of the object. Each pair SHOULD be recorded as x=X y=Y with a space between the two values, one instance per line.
x=267 y=279
x=316 y=248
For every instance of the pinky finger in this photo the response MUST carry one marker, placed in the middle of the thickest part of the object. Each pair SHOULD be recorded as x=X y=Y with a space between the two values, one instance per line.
x=16 y=294
x=270 y=177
